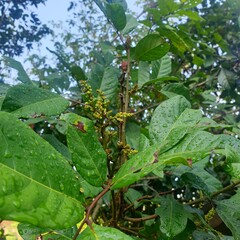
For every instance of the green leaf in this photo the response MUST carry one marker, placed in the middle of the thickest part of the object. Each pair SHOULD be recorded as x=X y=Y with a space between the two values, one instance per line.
x=161 y=80
x=22 y=75
x=27 y=101
x=38 y=186
x=190 y=14
x=87 y=153
x=123 y=3
x=141 y=164
x=191 y=3
x=173 y=89
x=103 y=233
x=173 y=216
x=150 y=48
x=225 y=78
x=195 y=145
x=165 y=116
x=143 y=73
x=229 y=212
x=78 y=73
x=60 y=147
x=30 y=232
x=167 y=7
x=132 y=24
x=178 y=38
x=162 y=67
x=116 y=14
x=109 y=84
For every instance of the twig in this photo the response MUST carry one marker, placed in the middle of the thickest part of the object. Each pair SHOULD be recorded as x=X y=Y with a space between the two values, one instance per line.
x=213 y=195
x=146 y=108
x=89 y=210
x=141 y=219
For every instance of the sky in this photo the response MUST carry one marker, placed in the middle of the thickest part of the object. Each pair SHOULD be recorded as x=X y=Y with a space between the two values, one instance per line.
x=50 y=11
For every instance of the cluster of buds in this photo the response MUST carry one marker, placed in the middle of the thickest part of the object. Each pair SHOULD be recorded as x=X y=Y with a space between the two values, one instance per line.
x=98 y=106
x=120 y=116
x=209 y=216
x=126 y=149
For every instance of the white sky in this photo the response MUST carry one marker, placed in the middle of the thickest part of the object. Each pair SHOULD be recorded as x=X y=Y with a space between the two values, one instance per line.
x=56 y=10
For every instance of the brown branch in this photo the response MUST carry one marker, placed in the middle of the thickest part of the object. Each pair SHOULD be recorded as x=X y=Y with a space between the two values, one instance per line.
x=141 y=219
x=215 y=194
x=90 y=208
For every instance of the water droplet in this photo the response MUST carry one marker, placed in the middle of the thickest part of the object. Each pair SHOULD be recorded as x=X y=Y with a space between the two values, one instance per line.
x=17 y=203
x=61 y=187
x=7 y=154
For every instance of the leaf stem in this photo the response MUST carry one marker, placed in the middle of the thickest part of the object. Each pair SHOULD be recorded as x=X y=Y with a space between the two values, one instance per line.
x=90 y=208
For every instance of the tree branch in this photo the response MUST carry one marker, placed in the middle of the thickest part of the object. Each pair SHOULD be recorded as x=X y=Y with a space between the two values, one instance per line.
x=90 y=208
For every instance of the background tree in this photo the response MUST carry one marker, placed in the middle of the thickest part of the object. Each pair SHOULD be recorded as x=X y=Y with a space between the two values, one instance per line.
x=19 y=27
x=139 y=136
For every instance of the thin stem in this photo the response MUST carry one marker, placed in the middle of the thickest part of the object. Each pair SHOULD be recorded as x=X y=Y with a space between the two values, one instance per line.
x=141 y=219
x=215 y=194
x=90 y=208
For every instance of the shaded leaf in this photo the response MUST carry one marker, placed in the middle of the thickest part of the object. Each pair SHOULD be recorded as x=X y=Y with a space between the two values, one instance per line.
x=116 y=14
x=150 y=48
x=87 y=153
x=36 y=182
x=173 y=216
x=103 y=233
x=143 y=73
x=229 y=212
x=173 y=89
x=31 y=232
x=162 y=67
x=109 y=83
x=27 y=101
x=22 y=75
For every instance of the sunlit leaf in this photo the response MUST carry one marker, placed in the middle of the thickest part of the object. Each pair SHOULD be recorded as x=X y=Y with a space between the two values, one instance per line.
x=28 y=101
x=116 y=14
x=165 y=116
x=37 y=183
x=150 y=48
x=87 y=153
x=132 y=23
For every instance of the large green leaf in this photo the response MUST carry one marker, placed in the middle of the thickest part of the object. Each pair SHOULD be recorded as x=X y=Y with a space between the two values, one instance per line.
x=162 y=67
x=87 y=153
x=116 y=14
x=103 y=233
x=109 y=83
x=143 y=73
x=229 y=212
x=165 y=117
x=28 y=101
x=179 y=39
x=38 y=186
x=22 y=75
x=132 y=23
x=143 y=163
x=150 y=48
x=173 y=216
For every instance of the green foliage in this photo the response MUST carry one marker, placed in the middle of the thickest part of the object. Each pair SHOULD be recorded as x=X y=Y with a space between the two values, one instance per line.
x=150 y=149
